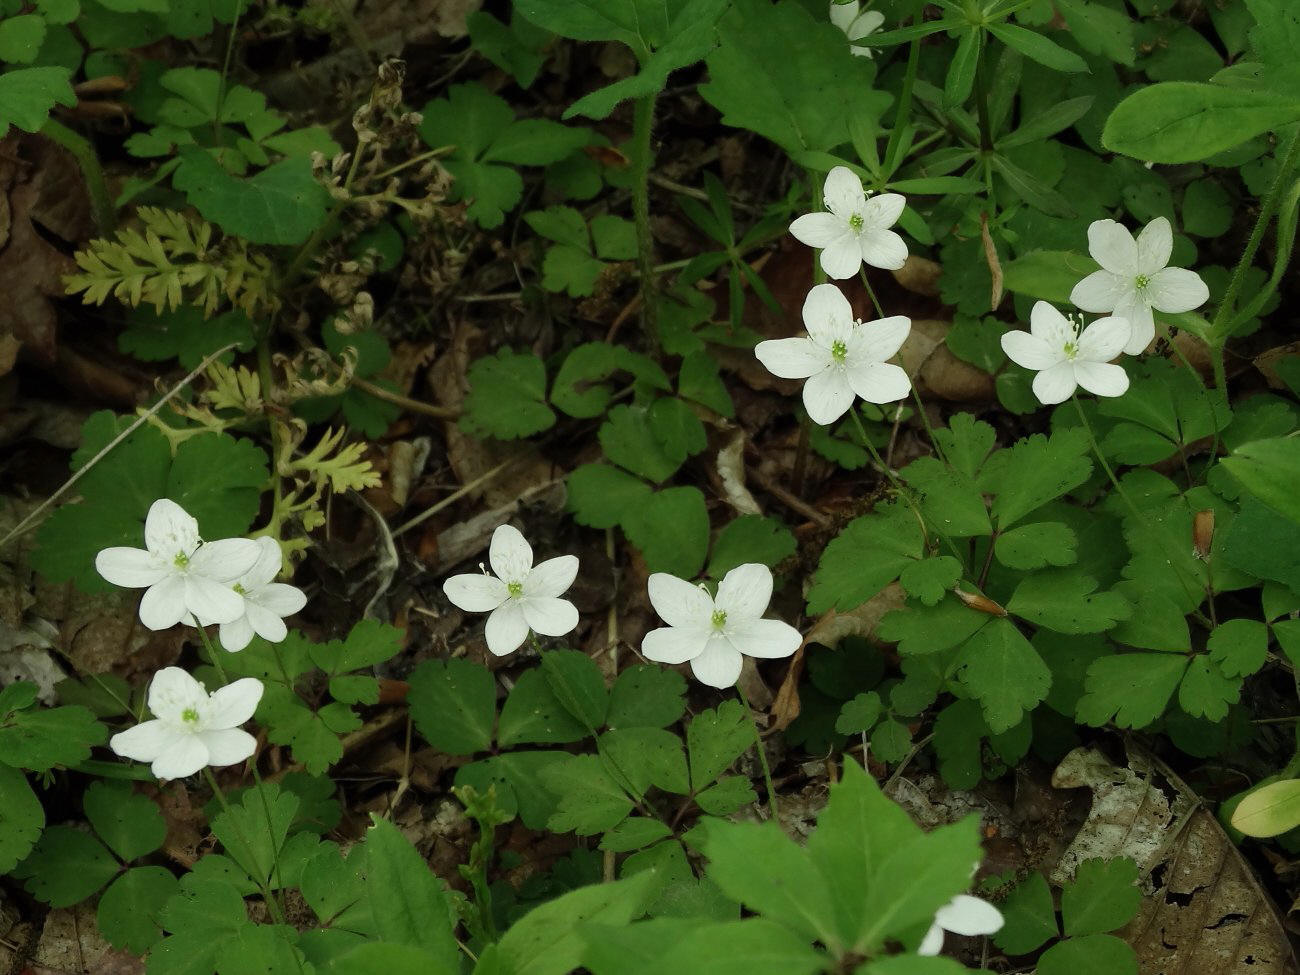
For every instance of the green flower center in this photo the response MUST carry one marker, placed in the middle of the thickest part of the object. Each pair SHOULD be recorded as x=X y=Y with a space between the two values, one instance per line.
x=719 y=618
x=515 y=588
x=1142 y=281
x=839 y=351
x=182 y=560
x=856 y=223
x=240 y=589
x=190 y=716
x=1071 y=349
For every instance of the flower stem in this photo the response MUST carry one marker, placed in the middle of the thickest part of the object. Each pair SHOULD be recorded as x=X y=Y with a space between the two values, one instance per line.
x=1105 y=465
x=214 y=654
x=772 y=801
x=643 y=113
x=272 y=904
x=101 y=204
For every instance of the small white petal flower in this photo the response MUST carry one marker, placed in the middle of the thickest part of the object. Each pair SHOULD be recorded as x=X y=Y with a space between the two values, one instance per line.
x=191 y=728
x=856 y=25
x=266 y=602
x=840 y=358
x=711 y=633
x=182 y=576
x=1135 y=278
x=519 y=596
x=854 y=228
x=964 y=915
x=1064 y=358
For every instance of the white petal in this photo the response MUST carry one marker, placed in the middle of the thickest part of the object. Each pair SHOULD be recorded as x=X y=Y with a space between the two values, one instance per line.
x=133 y=568
x=868 y=23
x=932 y=943
x=232 y=705
x=818 y=229
x=719 y=664
x=827 y=315
x=510 y=555
x=678 y=602
x=969 y=916
x=1138 y=313
x=266 y=624
x=228 y=747
x=552 y=577
x=796 y=358
x=842 y=192
x=1055 y=385
x=1113 y=247
x=1105 y=339
x=226 y=559
x=842 y=257
x=185 y=757
x=173 y=691
x=858 y=51
x=163 y=605
x=548 y=615
x=211 y=601
x=169 y=530
x=1030 y=351
x=884 y=209
x=827 y=396
x=880 y=382
x=146 y=741
x=1048 y=324
x=1101 y=378
x=770 y=639
x=476 y=592
x=881 y=339
x=1100 y=291
x=278 y=598
x=506 y=628
x=843 y=14
x=237 y=635
x=883 y=249
x=744 y=592
x=1154 y=245
x=675 y=644
x=1175 y=290
x=269 y=560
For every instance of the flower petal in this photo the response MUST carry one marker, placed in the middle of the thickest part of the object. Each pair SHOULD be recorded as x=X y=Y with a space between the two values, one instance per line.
x=132 y=568
x=744 y=592
x=1100 y=291
x=827 y=315
x=827 y=396
x=1048 y=324
x=1105 y=339
x=211 y=601
x=1030 y=351
x=883 y=249
x=227 y=747
x=719 y=664
x=172 y=691
x=278 y=598
x=226 y=559
x=843 y=14
x=1113 y=247
x=1175 y=290
x=236 y=635
x=552 y=577
x=185 y=757
x=266 y=624
x=675 y=644
x=770 y=639
x=1054 y=385
x=1154 y=245
x=796 y=358
x=1101 y=378
x=269 y=560
x=820 y=229
x=880 y=340
x=932 y=943
x=169 y=530
x=1138 y=313
x=842 y=257
x=884 y=209
x=232 y=705
x=548 y=615
x=146 y=741
x=506 y=628
x=842 y=192
x=868 y=23
x=678 y=602
x=880 y=382
x=510 y=555
x=163 y=605
x=969 y=916
x=475 y=592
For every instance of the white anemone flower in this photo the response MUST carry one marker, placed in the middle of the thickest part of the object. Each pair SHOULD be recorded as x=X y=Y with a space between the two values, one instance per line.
x=856 y=25
x=266 y=602
x=1135 y=278
x=839 y=357
x=1065 y=357
x=712 y=632
x=519 y=596
x=183 y=576
x=965 y=915
x=854 y=228
x=191 y=728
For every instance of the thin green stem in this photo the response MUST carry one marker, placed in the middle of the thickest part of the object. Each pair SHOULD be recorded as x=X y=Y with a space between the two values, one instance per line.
x=871 y=292
x=643 y=114
x=214 y=653
x=982 y=97
x=1105 y=465
x=817 y=203
x=272 y=904
x=772 y=801
x=225 y=73
x=101 y=204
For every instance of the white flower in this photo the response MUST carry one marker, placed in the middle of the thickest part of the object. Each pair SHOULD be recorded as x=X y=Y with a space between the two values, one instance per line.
x=963 y=915
x=839 y=357
x=856 y=25
x=184 y=575
x=1134 y=278
x=520 y=596
x=191 y=728
x=712 y=632
x=266 y=602
x=854 y=228
x=1065 y=358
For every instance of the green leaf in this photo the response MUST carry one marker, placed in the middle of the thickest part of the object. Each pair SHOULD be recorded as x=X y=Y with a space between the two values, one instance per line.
x=517 y=778
x=630 y=439
x=859 y=714
x=1239 y=647
x=1100 y=29
x=1205 y=691
x=507 y=397
x=290 y=722
x=1132 y=689
x=1003 y=670
x=1037 y=546
x=28 y=94
x=600 y=496
x=567 y=270
x=958 y=733
x=254 y=831
x=129 y=824
x=205 y=917
x=130 y=910
x=409 y=904
x=21 y=37
x=699 y=380
x=367 y=644
x=22 y=817
x=1270 y=810
x=671 y=528
x=1103 y=897
x=1268 y=469
x=715 y=739
x=1066 y=601
x=930 y=578
x=578 y=685
x=1029 y=916
x=1046 y=274
x=639 y=758
x=219 y=480
x=281 y=204
x=334 y=887
x=1037 y=47
x=729 y=794
x=634 y=833
x=533 y=714
x=391 y=959
x=869 y=554
x=920 y=629
x=590 y=800
x=1156 y=623
x=950 y=500
x=1185 y=121
x=966 y=443
x=184 y=334
x=453 y=705
x=646 y=696
x=891 y=740
x=38 y=739
x=580 y=389
x=677 y=429
x=961 y=67
x=517 y=49
x=1095 y=954
x=66 y=867
x=1035 y=471
x=750 y=538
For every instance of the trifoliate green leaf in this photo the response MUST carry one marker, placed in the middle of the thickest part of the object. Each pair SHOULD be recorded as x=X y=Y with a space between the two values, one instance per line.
x=518 y=49
x=204 y=918
x=966 y=443
x=453 y=705
x=254 y=831
x=568 y=270
x=891 y=740
x=1095 y=954
x=517 y=778
x=334 y=887
x=22 y=817
x=1037 y=546
x=1029 y=917
x=184 y=334
x=129 y=823
x=671 y=528
x=750 y=538
x=859 y=714
x=700 y=382
x=289 y=721
x=600 y=496
x=930 y=578
x=639 y=758
x=38 y=739
x=282 y=204
x=630 y=440
x=66 y=867
x=1103 y=897
x=563 y=225
x=580 y=389
x=507 y=397
x=868 y=555
x=646 y=696
x=1205 y=692
x=590 y=800
x=949 y=499
x=715 y=739
x=130 y=909
x=533 y=714
x=1132 y=689
x=1066 y=601
x=677 y=429
x=578 y=685
x=920 y=629
x=1239 y=647
x=1035 y=471
x=1004 y=672
x=28 y=94
x=1260 y=542
x=367 y=644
